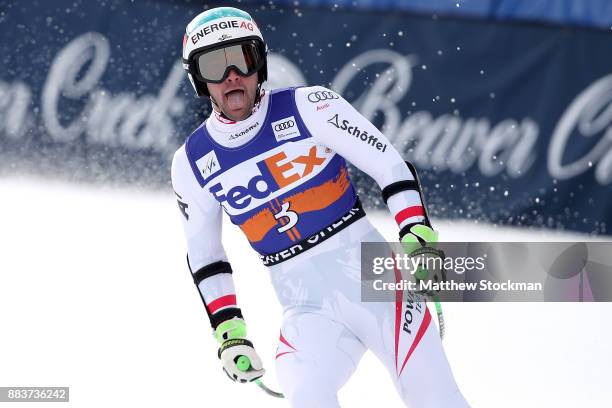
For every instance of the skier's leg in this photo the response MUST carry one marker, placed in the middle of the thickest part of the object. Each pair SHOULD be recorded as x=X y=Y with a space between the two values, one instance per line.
x=403 y=335
x=315 y=357
x=405 y=338
x=424 y=376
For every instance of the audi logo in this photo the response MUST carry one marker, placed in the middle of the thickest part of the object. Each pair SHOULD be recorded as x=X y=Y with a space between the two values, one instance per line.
x=321 y=96
x=284 y=125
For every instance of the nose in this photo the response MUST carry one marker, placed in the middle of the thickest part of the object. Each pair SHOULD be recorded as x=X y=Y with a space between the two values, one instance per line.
x=232 y=75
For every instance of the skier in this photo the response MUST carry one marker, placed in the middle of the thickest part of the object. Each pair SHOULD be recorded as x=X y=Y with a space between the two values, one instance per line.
x=275 y=163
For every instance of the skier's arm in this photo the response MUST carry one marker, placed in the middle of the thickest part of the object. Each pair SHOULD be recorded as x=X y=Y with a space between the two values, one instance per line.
x=201 y=217
x=333 y=122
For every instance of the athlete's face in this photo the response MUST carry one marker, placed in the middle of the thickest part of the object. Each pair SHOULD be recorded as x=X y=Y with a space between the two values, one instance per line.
x=235 y=96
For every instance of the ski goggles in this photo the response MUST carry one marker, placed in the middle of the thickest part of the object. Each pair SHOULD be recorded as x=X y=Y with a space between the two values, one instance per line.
x=214 y=65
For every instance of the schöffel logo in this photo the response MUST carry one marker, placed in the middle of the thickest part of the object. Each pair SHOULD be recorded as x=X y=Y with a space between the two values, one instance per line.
x=320 y=96
x=285 y=129
x=364 y=136
x=244 y=132
x=271 y=174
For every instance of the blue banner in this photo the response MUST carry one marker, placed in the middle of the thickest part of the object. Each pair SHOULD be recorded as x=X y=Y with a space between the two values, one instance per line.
x=507 y=123
x=586 y=13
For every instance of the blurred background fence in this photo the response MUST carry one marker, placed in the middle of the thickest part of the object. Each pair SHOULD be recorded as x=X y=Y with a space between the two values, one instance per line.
x=504 y=106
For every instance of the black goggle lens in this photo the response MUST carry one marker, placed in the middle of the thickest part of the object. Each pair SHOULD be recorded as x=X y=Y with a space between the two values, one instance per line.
x=213 y=66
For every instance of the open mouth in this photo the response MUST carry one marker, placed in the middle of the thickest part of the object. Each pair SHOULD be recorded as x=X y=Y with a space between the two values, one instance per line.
x=235 y=92
x=235 y=98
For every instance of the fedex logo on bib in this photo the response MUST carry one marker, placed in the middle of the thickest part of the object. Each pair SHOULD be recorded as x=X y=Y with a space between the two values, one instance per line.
x=265 y=177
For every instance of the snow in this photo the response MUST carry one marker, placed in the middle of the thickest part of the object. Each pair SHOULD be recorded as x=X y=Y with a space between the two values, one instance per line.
x=95 y=295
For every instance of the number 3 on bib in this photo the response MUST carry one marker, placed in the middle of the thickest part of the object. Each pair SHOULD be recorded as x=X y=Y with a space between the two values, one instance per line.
x=290 y=216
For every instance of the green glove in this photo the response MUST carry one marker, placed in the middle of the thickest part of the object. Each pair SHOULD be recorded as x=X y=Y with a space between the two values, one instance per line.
x=422 y=241
x=240 y=361
x=426 y=234
x=231 y=329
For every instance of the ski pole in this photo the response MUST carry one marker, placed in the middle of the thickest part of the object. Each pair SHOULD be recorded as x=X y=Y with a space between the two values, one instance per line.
x=436 y=300
x=243 y=363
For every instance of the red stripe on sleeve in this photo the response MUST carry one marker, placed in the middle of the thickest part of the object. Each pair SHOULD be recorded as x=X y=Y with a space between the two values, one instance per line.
x=409 y=212
x=227 y=300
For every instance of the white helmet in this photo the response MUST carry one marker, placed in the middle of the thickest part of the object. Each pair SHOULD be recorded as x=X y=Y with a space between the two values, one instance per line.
x=219 y=39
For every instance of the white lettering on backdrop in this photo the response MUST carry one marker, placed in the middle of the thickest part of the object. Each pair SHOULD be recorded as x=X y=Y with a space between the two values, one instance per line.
x=448 y=142
x=590 y=114
x=113 y=120
x=15 y=118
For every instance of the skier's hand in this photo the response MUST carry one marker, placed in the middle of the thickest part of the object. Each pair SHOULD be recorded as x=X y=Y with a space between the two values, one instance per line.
x=420 y=235
x=240 y=361
x=421 y=241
